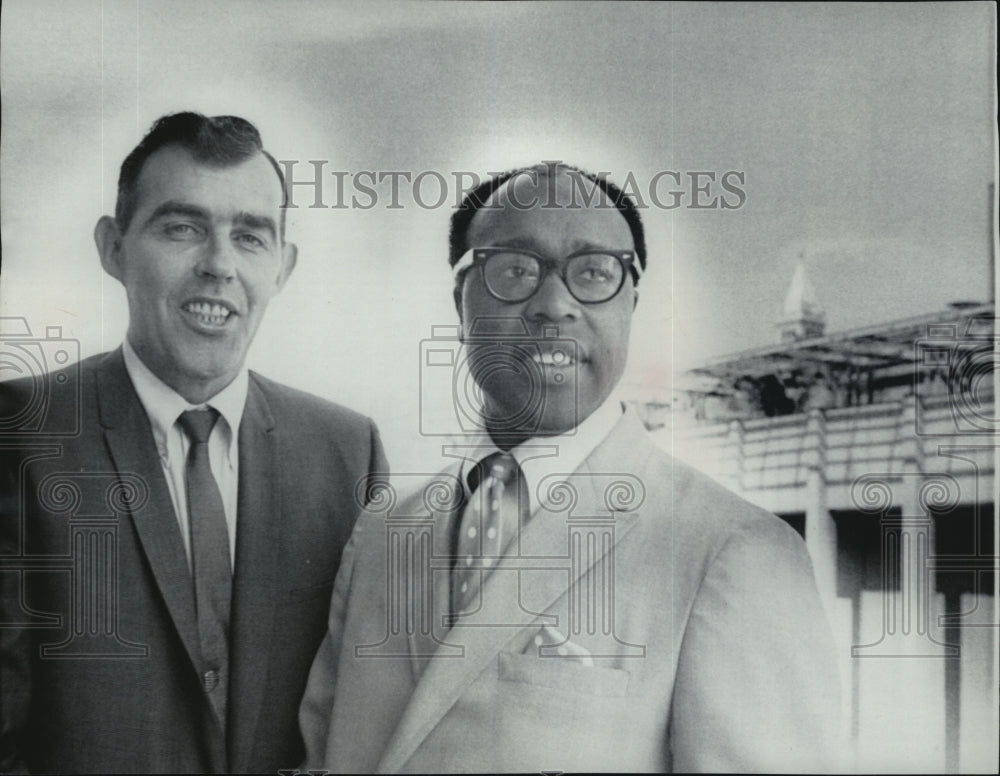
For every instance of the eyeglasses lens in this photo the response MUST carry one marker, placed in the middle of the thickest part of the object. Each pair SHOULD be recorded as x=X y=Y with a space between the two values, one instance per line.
x=590 y=277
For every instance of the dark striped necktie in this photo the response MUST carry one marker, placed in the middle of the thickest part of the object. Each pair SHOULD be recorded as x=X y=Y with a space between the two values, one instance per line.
x=213 y=576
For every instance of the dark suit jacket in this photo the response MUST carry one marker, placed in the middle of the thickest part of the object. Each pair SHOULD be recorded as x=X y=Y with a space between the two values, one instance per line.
x=99 y=636
x=710 y=649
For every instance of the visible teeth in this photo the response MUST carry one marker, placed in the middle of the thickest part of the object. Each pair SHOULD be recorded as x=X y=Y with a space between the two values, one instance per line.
x=208 y=313
x=554 y=358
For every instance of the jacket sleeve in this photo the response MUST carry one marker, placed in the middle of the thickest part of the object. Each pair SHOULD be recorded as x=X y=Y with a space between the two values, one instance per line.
x=317 y=702
x=757 y=687
x=378 y=465
x=15 y=640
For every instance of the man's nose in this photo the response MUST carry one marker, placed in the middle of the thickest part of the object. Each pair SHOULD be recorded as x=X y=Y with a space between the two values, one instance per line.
x=552 y=301
x=218 y=259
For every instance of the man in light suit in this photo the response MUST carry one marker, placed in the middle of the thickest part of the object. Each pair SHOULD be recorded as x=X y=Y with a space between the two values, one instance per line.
x=173 y=523
x=622 y=612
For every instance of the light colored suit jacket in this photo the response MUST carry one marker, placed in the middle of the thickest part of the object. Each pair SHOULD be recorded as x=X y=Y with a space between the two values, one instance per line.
x=704 y=643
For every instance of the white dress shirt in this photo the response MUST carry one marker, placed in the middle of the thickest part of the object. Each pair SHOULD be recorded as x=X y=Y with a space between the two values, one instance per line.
x=540 y=457
x=164 y=406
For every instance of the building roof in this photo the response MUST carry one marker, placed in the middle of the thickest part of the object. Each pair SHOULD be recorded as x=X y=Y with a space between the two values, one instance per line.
x=875 y=347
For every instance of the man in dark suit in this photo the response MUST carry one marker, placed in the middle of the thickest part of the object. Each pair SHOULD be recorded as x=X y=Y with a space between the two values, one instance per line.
x=172 y=523
x=566 y=595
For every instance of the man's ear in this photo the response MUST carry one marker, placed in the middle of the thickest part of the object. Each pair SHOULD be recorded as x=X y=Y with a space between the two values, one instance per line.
x=289 y=257
x=109 y=247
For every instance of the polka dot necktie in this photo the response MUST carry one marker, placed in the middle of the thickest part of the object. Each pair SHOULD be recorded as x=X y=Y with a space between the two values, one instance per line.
x=497 y=508
x=209 y=558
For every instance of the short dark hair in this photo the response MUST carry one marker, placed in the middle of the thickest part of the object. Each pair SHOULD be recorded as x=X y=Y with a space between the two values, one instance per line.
x=215 y=140
x=477 y=198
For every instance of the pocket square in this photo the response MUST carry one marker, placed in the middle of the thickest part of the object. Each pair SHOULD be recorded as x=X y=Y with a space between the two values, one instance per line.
x=551 y=642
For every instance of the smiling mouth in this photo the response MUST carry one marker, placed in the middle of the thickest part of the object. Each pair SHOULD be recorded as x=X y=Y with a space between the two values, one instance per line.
x=553 y=358
x=208 y=313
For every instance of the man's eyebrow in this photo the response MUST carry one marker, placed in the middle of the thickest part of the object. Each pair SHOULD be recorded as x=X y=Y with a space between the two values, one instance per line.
x=529 y=244
x=589 y=245
x=518 y=243
x=174 y=208
x=254 y=221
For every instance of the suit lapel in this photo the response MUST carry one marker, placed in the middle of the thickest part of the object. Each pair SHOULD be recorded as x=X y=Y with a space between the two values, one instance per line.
x=133 y=449
x=258 y=533
x=433 y=587
x=547 y=540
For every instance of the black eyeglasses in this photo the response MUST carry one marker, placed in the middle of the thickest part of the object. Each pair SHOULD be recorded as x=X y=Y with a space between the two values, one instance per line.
x=515 y=275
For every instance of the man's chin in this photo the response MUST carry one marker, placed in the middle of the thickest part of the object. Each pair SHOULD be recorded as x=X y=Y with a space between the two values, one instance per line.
x=206 y=377
x=510 y=427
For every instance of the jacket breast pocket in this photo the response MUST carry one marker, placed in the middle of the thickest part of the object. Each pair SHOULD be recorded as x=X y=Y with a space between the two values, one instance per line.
x=563 y=674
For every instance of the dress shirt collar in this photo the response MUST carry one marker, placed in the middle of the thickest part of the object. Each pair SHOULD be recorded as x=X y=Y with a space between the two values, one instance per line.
x=164 y=405
x=541 y=456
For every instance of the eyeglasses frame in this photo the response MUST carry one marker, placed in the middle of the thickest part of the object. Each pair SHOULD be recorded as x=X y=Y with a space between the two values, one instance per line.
x=479 y=256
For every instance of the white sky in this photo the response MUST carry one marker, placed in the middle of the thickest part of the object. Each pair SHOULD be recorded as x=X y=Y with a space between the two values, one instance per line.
x=865 y=132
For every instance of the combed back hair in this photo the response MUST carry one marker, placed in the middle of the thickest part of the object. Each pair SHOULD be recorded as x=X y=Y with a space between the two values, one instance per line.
x=217 y=140
x=481 y=195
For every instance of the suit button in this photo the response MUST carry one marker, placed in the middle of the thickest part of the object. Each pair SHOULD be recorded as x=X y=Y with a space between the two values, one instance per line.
x=209 y=680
